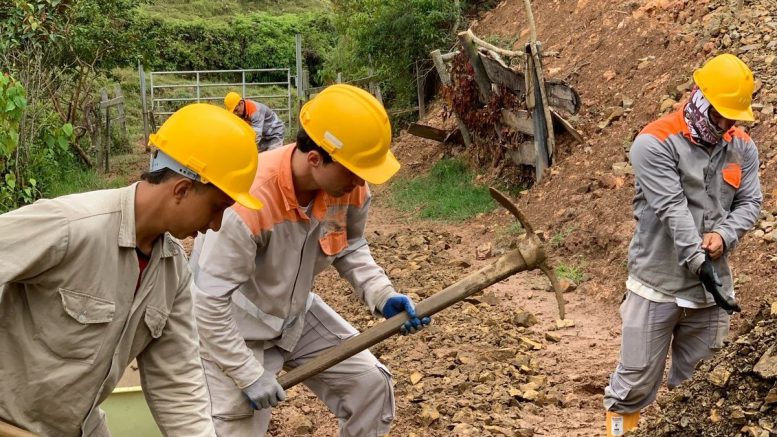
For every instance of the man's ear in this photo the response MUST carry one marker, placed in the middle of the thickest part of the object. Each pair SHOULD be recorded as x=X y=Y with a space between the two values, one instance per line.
x=315 y=159
x=182 y=187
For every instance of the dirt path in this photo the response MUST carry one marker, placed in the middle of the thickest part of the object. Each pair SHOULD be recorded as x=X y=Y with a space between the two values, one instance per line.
x=479 y=360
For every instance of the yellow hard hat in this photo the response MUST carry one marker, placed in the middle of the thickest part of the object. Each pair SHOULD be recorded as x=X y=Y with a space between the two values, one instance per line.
x=216 y=145
x=353 y=127
x=728 y=84
x=231 y=100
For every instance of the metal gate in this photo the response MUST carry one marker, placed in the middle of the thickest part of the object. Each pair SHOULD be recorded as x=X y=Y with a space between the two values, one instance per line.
x=170 y=90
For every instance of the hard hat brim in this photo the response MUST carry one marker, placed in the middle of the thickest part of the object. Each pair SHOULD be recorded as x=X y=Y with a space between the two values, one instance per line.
x=737 y=115
x=375 y=175
x=246 y=200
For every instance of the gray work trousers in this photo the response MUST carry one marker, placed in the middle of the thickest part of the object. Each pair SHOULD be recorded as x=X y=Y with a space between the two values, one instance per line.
x=649 y=329
x=358 y=390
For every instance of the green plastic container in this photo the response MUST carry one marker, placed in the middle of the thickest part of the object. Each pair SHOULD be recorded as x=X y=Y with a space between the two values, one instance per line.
x=128 y=414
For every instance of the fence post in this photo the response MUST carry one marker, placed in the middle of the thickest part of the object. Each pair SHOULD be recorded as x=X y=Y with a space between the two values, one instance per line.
x=243 y=73
x=298 y=44
x=120 y=109
x=198 y=87
x=105 y=116
x=288 y=93
x=305 y=85
x=445 y=78
x=420 y=89
x=101 y=125
x=339 y=77
x=144 y=114
x=151 y=119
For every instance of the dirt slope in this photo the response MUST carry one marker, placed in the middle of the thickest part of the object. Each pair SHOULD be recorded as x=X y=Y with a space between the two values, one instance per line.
x=477 y=371
x=632 y=57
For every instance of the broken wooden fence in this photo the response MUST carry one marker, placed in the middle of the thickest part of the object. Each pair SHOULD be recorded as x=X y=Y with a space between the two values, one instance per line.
x=103 y=119
x=542 y=100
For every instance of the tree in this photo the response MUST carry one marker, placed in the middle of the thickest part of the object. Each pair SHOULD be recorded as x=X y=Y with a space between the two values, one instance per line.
x=390 y=35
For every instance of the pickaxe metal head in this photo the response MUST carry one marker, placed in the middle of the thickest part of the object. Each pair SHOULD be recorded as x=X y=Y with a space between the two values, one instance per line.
x=508 y=204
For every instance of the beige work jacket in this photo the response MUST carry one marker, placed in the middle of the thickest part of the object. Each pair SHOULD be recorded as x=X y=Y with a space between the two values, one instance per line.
x=71 y=322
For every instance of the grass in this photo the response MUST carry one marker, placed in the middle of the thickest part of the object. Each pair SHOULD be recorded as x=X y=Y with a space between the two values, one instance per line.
x=513 y=230
x=80 y=180
x=558 y=239
x=222 y=10
x=446 y=193
x=573 y=273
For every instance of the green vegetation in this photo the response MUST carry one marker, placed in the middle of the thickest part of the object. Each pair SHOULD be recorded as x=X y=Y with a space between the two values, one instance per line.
x=573 y=273
x=79 y=179
x=390 y=36
x=249 y=40
x=513 y=230
x=558 y=239
x=49 y=58
x=57 y=54
x=447 y=193
x=225 y=9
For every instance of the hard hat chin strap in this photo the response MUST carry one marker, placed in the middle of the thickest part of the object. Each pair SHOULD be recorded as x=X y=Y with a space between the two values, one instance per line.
x=160 y=160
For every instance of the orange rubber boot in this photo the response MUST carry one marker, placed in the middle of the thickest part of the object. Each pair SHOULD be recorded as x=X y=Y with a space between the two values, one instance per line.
x=617 y=424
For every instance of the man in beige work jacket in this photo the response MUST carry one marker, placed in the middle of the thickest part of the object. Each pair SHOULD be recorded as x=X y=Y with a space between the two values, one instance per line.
x=252 y=280
x=89 y=282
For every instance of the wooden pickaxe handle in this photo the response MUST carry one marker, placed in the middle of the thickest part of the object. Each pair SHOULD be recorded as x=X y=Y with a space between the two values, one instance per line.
x=8 y=430
x=527 y=256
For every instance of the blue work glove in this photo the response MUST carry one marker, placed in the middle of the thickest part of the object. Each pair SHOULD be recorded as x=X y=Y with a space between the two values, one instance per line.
x=396 y=305
x=265 y=392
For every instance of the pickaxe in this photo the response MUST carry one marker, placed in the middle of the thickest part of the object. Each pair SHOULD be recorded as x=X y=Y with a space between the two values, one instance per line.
x=528 y=255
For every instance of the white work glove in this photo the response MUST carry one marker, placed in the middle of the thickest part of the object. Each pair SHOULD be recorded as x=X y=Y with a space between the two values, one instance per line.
x=265 y=392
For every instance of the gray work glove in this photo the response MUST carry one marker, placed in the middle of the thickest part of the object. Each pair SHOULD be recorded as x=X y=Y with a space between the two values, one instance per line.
x=265 y=392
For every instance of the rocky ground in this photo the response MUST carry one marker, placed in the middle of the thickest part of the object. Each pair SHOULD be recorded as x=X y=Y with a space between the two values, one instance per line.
x=734 y=393
x=498 y=364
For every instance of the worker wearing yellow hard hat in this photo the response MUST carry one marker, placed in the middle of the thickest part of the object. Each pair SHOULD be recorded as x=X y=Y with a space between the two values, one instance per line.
x=697 y=193
x=269 y=128
x=255 y=308
x=92 y=281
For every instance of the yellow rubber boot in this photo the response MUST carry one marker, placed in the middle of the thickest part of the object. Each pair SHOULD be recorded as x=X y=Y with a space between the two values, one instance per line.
x=617 y=424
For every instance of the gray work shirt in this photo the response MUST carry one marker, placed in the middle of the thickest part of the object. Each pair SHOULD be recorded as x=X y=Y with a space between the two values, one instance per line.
x=684 y=190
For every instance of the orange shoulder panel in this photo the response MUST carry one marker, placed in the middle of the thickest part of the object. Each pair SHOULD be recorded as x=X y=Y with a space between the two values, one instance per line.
x=737 y=132
x=666 y=126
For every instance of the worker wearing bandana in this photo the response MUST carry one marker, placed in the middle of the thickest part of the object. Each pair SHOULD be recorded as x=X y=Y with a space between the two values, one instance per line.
x=697 y=193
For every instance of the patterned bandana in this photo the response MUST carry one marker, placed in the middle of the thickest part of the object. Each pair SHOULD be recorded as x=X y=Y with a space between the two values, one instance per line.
x=697 y=117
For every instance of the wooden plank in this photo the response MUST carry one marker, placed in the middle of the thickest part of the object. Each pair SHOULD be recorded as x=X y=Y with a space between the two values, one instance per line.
x=111 y=102
x=536 y=49
x=559 y=94
x=481 y=77
x=563 y=96
x=445 y=78
x=120 y=110
x=420 y=85
x=102 y=117
x=525 y=154
x=567 y=126
x=495 y=49
x=534 y=97
x=501 y=74
x=519 y=120
x=429 y=132
x=449 y=56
